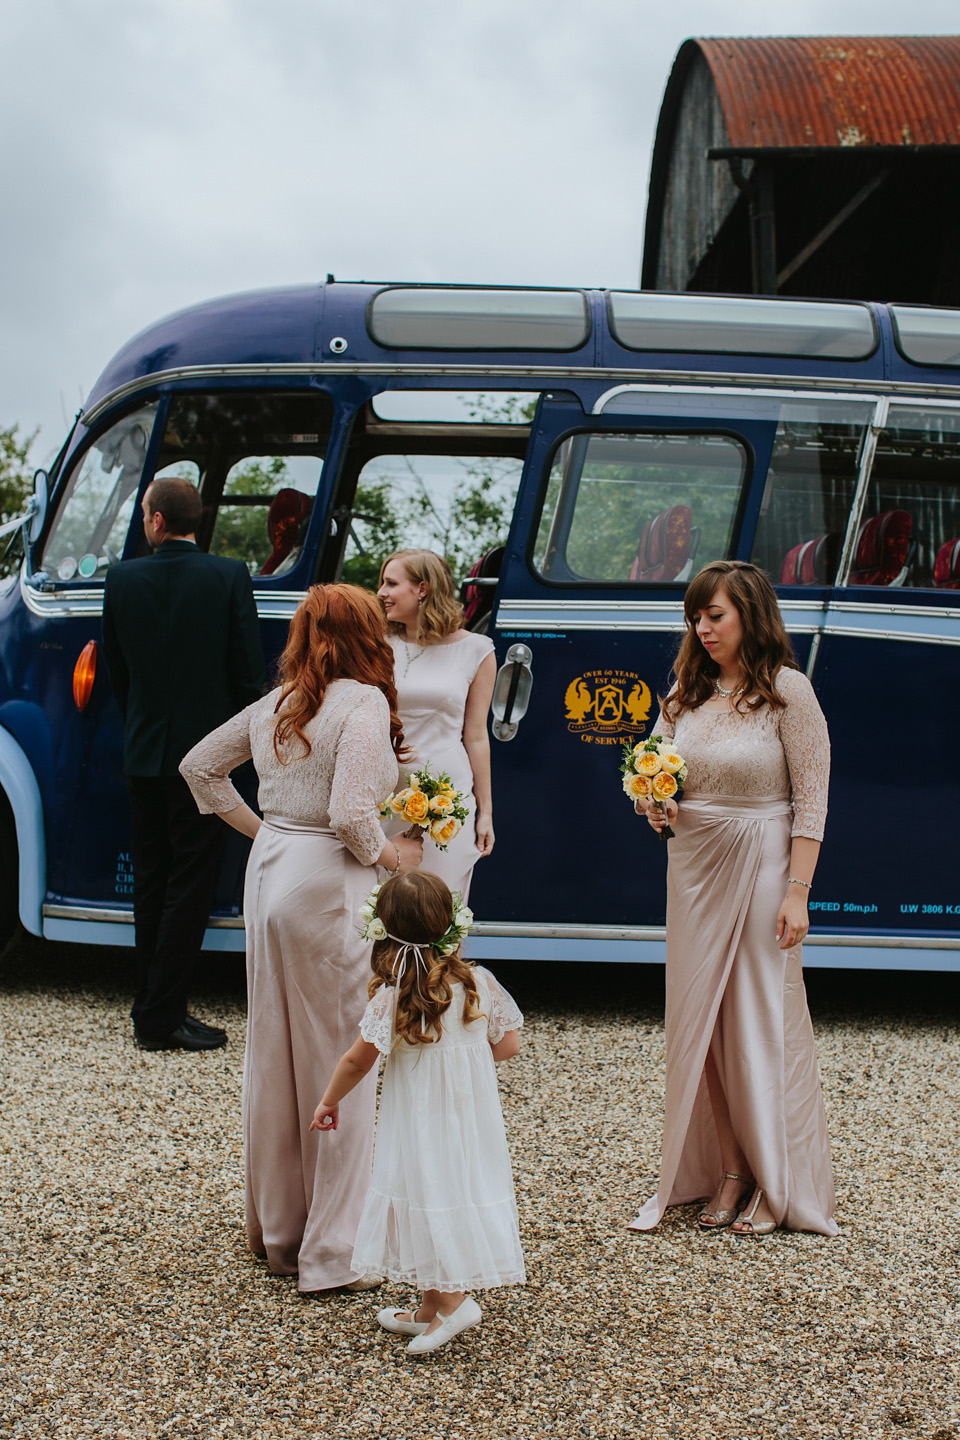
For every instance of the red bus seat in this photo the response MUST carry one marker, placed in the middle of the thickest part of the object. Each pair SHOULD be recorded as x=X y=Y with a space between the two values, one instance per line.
x=667 y=546
x=946 y=567
x=288 y=510
x=478 y=599
x=882 y=549
x=814 y=562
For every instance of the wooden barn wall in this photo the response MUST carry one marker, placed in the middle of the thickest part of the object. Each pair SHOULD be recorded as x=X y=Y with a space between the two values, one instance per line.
x=699 y=193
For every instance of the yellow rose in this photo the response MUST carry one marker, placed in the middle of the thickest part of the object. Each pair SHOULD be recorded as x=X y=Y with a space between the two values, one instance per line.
x=648 y=763
x=637 y=786
x=671 y=761
x=664 y=786
x=441 y=804
x=416 y=807
x=443 y=831
x=397 y=802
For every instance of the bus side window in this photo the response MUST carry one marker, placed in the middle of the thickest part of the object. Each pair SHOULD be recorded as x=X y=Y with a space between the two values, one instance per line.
x=910 y=530
x=434 y=470
x=639 y=508
x=258 y=455
x=93 y=517
x=809 y=490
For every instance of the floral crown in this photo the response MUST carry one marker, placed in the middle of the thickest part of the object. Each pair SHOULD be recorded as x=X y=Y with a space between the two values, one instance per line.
x=452 y=938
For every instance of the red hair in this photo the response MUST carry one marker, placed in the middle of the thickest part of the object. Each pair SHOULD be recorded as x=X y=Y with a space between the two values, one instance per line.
x=336 y=634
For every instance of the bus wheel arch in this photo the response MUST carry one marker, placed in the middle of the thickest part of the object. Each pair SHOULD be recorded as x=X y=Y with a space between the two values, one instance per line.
x=23 y=857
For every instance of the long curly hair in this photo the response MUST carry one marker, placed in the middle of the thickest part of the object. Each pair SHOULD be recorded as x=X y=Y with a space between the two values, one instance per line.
x=764 y=651
x=441 y=613
x=418 y=907
x=337 y=633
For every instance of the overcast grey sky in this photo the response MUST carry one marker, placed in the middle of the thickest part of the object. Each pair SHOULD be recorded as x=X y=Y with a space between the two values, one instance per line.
x=159 y=152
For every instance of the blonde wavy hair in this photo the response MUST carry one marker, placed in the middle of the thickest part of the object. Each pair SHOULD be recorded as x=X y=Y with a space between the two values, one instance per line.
x=441 y=613
x=418 y=907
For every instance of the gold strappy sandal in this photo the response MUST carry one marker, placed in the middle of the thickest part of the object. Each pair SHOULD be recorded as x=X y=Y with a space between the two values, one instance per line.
x=755 y=1227
x=719 y=1219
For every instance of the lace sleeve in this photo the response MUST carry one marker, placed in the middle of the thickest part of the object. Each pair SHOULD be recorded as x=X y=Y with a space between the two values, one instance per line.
x=666 y=728
x=806 y=745
x=360 y=778
x=503 y=1013
x=207 y=766
x=376 y=1025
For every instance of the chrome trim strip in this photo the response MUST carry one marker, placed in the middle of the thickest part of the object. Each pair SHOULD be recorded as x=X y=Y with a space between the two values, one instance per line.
x=125 y=917
x=88 y=604
x=915 y=637
x=760 y=389
x=542 y=373
x=658 y=932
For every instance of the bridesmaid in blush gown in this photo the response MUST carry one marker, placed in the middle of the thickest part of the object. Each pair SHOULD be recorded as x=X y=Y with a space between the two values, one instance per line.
x=744 y=1117
x=444 y=676
x=326 y=745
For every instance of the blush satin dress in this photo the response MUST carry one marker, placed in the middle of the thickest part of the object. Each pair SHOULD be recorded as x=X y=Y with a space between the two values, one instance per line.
x=432 y=686
x=755 y=779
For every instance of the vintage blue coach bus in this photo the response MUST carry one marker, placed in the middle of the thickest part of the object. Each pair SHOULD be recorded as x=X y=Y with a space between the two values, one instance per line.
x=656 y=432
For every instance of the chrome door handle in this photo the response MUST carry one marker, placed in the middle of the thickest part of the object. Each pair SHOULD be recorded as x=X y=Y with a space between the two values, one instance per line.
x=511 y=693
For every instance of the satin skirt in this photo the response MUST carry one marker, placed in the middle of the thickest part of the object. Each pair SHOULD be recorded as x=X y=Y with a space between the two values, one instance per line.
x=729 y=982
x=307 y=973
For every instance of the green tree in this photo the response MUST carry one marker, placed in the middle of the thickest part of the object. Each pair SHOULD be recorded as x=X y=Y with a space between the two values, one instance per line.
x=16 y=472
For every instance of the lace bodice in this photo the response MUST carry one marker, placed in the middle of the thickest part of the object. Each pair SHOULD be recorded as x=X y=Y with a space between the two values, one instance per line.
x=339 y=785
x=766 y=753
x=500 y=1014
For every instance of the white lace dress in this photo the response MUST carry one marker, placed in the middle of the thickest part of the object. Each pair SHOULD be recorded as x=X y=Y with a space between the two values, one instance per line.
x=441 y=1213
x=432 y=686
x=755 y=779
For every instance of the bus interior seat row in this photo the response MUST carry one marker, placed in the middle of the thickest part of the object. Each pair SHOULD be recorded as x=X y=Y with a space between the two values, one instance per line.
x=884 y=554
x=667 y=546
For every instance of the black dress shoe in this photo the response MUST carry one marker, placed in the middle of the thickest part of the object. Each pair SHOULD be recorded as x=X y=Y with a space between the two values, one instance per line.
x=207 y=1029
x=187 y=1036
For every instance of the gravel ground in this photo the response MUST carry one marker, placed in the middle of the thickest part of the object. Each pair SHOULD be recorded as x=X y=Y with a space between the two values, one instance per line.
x=133 y=1309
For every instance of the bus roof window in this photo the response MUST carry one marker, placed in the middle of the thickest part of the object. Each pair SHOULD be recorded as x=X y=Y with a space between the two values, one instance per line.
x=719 y=324
x=927 y=337
x=428 y=318
x=457 y=407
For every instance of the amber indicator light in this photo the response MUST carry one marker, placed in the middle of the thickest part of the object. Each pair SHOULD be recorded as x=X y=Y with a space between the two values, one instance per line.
x=84 y=674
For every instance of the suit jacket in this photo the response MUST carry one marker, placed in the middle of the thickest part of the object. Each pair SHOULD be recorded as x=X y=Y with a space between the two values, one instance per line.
x=182 y=644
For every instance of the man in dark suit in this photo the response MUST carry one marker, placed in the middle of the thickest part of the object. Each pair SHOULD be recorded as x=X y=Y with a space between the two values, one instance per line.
x=182 y=645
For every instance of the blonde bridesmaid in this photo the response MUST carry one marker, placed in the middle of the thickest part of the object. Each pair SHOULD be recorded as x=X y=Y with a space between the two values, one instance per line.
x=744 y=1121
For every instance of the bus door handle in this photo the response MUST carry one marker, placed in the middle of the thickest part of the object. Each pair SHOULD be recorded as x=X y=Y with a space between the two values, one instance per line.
x=511 y=693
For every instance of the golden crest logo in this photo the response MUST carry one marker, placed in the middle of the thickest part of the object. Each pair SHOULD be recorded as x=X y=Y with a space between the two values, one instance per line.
x=604 y=707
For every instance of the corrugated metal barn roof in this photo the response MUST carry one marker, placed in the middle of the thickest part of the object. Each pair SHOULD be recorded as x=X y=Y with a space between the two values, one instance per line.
x=814 y=91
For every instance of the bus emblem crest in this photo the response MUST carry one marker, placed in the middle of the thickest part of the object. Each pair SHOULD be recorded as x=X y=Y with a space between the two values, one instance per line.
x=603 y=706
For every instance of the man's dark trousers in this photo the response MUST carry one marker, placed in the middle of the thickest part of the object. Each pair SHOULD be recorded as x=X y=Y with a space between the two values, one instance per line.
x=182 y=644
x=176 y=853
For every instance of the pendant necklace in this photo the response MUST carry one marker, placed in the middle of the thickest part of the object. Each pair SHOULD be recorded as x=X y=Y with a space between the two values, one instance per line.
x=408 y=658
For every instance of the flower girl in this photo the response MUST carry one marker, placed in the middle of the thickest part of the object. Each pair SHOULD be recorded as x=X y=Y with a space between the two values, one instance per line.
x=440 y=1213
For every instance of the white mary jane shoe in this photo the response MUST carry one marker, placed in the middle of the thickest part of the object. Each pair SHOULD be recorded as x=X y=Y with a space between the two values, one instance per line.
x=467 y=1313
x=388 y=1319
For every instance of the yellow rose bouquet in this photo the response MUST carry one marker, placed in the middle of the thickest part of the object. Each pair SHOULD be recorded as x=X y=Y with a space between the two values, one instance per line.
x=654 y=770
x=430 y=802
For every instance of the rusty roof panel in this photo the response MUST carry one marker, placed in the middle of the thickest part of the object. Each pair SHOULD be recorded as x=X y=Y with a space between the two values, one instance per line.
x=838 y=92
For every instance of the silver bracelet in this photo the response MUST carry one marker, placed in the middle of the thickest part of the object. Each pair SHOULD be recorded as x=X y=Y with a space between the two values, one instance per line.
x=396 y=868
x=807 y=884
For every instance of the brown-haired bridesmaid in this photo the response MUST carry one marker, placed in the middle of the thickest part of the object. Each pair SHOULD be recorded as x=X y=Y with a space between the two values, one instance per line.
x=744 y=1119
